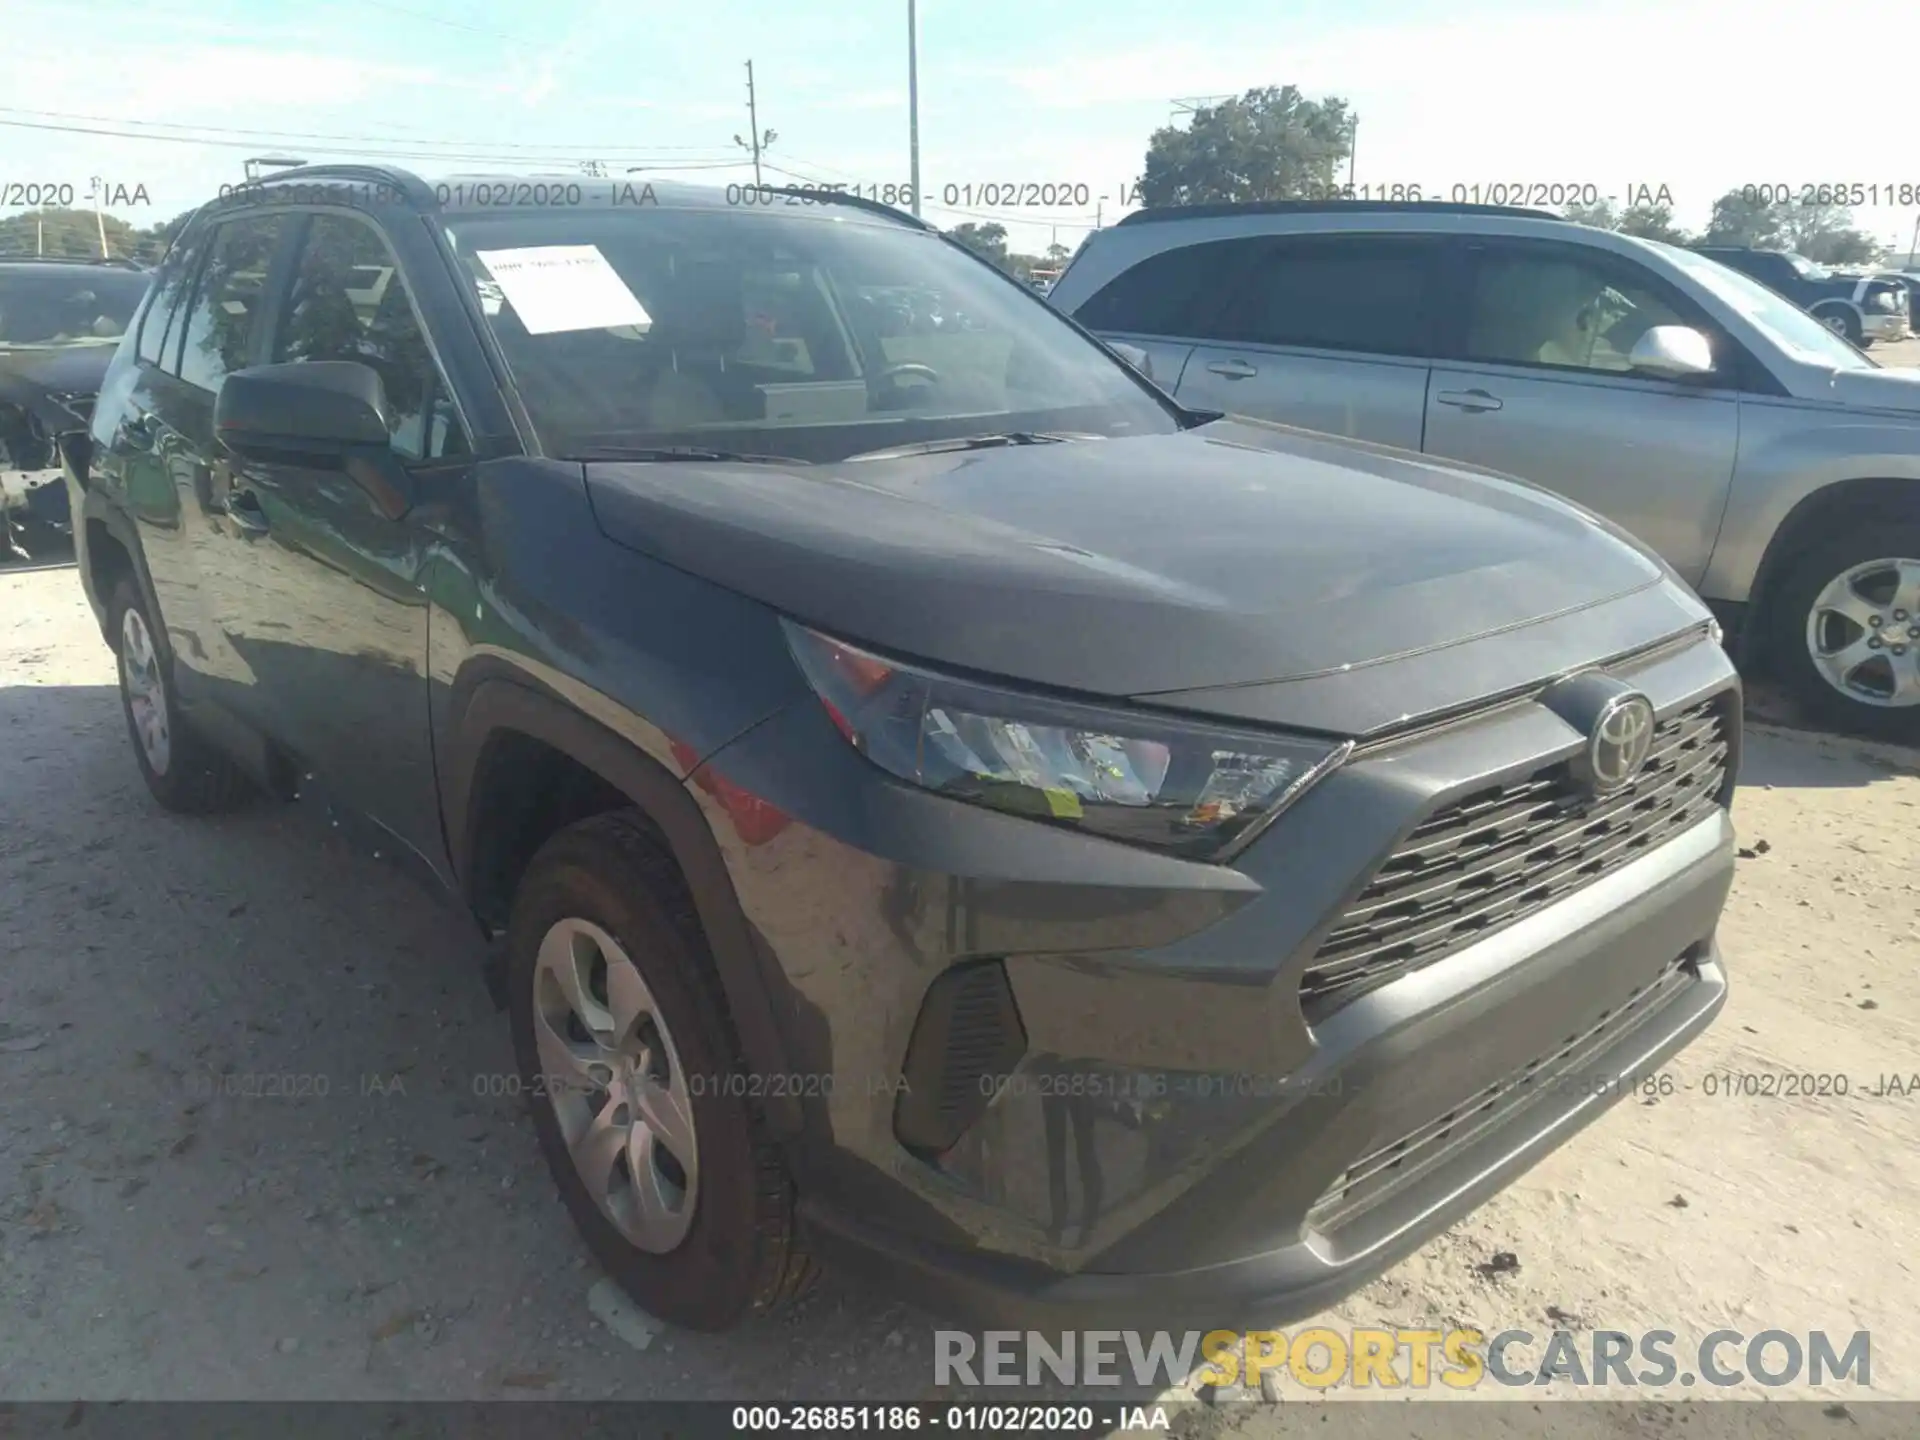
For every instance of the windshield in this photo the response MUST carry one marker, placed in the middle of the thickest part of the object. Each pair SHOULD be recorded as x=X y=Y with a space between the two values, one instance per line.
x=1807 y=269
x=818 y=335
x=1783 y=322
x=67 y=306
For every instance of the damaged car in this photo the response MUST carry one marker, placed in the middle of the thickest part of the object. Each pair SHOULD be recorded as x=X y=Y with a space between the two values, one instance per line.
x=60 y=322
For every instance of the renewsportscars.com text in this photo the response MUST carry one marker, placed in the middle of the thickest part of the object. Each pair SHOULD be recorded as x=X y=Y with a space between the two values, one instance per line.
x=1321 y=1357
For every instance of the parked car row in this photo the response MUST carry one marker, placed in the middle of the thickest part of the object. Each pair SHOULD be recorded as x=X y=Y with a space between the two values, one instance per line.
x=937 y=801
x=1771 y=463
x=60 y=322
x=1862 y=306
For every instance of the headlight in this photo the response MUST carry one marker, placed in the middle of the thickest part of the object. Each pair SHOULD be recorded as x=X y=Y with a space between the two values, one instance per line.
x=1197 y=790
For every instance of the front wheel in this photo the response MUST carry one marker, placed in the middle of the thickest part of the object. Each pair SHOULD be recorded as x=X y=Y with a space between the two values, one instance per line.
x=640 y=1097
x=1846 y=630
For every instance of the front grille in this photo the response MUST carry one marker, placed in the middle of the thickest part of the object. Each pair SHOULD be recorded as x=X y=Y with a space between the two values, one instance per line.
x=1502 y=853
x=1390 y=1169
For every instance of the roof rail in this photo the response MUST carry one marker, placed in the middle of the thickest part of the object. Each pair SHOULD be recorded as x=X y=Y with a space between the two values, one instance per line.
x=841 y=197
x=405 y=181
x=1158 y=213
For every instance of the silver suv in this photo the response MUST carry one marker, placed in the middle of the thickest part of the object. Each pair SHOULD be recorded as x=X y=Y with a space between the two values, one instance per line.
x=1772 y=464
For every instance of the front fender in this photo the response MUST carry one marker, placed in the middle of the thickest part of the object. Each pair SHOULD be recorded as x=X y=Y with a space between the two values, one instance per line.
x=638 y=760
x=1789 y=455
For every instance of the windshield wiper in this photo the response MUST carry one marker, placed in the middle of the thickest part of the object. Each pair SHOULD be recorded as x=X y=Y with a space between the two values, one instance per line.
x=666 y=454
x=971 y=442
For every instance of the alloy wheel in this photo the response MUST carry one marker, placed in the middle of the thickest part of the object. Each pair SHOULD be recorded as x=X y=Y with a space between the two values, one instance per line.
x=146 y=691
x=1863 y=633
x=614 y=1079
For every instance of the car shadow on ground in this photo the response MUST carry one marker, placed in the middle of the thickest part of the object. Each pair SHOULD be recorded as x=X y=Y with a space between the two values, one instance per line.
x=295 y=1064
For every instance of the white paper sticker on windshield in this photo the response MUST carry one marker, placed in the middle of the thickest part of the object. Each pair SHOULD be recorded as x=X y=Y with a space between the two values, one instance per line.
x=564 y=287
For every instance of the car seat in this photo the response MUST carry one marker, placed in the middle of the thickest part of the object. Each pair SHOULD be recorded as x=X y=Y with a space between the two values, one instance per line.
x=700 y=323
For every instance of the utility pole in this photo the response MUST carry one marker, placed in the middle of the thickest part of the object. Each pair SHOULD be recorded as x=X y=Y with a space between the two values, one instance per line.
x=99 y=218
x=913 y=102
x=760 y=141
x=1353 y=149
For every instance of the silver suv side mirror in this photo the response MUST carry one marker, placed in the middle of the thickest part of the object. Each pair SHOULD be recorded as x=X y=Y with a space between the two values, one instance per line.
x=1672 y=352
x=1136 y=357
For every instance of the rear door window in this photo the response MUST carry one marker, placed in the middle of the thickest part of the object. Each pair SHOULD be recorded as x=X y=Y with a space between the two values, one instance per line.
x=1174 y=293
x=1373 y=294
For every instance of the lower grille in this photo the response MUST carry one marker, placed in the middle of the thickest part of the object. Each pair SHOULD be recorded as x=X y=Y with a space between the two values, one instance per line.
x=1500 y=854
x=1385 y=1172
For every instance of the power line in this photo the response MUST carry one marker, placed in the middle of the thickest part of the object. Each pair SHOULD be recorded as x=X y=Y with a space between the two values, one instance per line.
x=276 y=135
x=383 y=152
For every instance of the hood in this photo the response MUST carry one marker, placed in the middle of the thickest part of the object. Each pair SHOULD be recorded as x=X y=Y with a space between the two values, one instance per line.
x=37 y=376
x=1871 y=389
x=1228 y=555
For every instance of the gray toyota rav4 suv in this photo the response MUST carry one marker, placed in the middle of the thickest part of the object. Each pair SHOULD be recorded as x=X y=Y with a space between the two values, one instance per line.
x=933 y=802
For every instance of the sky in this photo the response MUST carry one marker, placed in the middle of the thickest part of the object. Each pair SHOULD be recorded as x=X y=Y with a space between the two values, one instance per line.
x=1605 y=97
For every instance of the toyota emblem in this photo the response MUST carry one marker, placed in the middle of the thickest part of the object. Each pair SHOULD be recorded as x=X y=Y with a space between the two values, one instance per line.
x=1618 y=743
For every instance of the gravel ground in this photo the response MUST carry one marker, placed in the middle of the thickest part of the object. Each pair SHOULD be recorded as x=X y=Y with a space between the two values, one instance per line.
x=386 y=1230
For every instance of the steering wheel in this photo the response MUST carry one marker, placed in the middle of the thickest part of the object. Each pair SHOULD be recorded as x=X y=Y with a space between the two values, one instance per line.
x=886 y=382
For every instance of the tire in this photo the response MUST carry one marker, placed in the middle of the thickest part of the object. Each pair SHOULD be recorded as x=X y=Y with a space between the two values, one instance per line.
x=183 y=771
x=736 y=1250
x=1812 y=582
x=1848 y=322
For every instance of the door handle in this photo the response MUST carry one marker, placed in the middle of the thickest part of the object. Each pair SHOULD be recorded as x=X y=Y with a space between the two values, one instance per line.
x=243 y=506
x=1471 y=401
x=1232 y=369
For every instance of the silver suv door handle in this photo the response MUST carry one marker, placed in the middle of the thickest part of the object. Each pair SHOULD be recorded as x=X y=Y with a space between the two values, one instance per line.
x=1472 y=401
x=1233 y=369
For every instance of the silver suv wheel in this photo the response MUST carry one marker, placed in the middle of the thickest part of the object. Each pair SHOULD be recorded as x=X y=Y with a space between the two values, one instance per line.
x=1863 y=633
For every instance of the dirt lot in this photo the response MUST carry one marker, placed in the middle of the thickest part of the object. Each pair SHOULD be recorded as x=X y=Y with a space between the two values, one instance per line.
x=400 y=1240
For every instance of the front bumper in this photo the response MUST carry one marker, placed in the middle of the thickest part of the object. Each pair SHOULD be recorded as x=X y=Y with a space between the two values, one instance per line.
x=1498 y=1039
x=1177 y=1140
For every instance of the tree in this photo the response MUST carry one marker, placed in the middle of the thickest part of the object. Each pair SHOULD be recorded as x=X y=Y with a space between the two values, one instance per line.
x=1645 y=219
x=1652 y=222
x=1269 y=144
x=1057 y=255
x=155 y=239
x=1602 y=215
x=1825 y=234
x=71 y=234
x=1842 y=245
x=988 y=240
x=1745 y=220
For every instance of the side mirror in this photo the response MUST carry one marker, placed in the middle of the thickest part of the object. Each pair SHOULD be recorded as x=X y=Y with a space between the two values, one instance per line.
x=314 y=407
x=1672 y=352
x=1136 y=357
